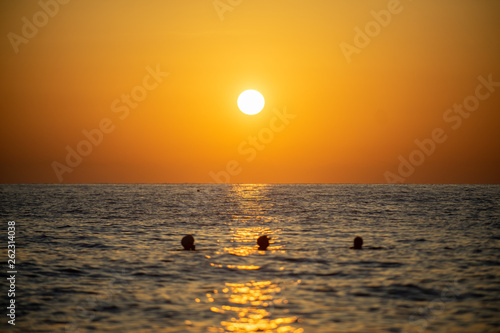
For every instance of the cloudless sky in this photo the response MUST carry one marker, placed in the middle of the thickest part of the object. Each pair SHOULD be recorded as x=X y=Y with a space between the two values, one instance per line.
x=346 y=116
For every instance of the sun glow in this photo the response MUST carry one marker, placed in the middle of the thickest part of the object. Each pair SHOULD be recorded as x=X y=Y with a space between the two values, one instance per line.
x=251 y=102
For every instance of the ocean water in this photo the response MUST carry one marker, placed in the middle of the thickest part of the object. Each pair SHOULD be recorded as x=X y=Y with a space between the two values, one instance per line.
x=107 y=258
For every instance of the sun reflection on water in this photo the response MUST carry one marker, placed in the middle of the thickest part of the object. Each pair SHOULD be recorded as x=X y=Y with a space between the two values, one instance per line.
x=250 y=309
x=250 y=202
x=250 y=306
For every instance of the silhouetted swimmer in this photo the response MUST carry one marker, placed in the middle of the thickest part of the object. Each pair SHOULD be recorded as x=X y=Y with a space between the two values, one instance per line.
x=358 y=243
x=188 y=242
x=263 y=242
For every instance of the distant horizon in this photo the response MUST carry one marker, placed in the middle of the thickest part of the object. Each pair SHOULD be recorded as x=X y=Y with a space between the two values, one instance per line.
x=250 y=183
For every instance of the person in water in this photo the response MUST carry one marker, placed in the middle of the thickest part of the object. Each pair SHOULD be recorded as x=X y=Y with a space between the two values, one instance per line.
x=358 y=243
x=188 y=242
x=263 y=242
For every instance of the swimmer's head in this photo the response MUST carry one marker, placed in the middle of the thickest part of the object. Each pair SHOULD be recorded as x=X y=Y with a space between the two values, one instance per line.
x=263 y=242
x=188 y=242
x=358 y=243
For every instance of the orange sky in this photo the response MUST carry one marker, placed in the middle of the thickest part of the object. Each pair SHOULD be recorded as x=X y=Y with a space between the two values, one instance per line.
x=346 y=95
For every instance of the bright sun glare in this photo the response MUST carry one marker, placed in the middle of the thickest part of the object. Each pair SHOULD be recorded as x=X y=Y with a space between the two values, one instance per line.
x=251 y=102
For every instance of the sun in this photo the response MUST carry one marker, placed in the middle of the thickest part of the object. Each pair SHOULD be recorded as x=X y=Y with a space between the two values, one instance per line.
x=251 y=102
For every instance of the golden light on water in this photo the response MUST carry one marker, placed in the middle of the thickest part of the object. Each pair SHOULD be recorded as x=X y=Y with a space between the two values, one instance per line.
x=247 y=200
x=247 y=267
x=247 y=236
x=244 y=266
x=251 y=306
x=240 y=251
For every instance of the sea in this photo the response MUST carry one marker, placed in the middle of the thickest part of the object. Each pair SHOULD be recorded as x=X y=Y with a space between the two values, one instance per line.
x=108 y=258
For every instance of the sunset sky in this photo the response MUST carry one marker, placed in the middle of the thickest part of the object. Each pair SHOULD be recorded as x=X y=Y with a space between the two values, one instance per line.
x=356 y=91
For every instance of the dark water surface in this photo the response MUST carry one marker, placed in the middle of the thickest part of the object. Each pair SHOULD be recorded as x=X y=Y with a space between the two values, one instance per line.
x=107 y=258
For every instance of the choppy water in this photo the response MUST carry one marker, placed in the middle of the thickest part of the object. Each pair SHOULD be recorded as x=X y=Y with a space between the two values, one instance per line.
x=108 y=258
